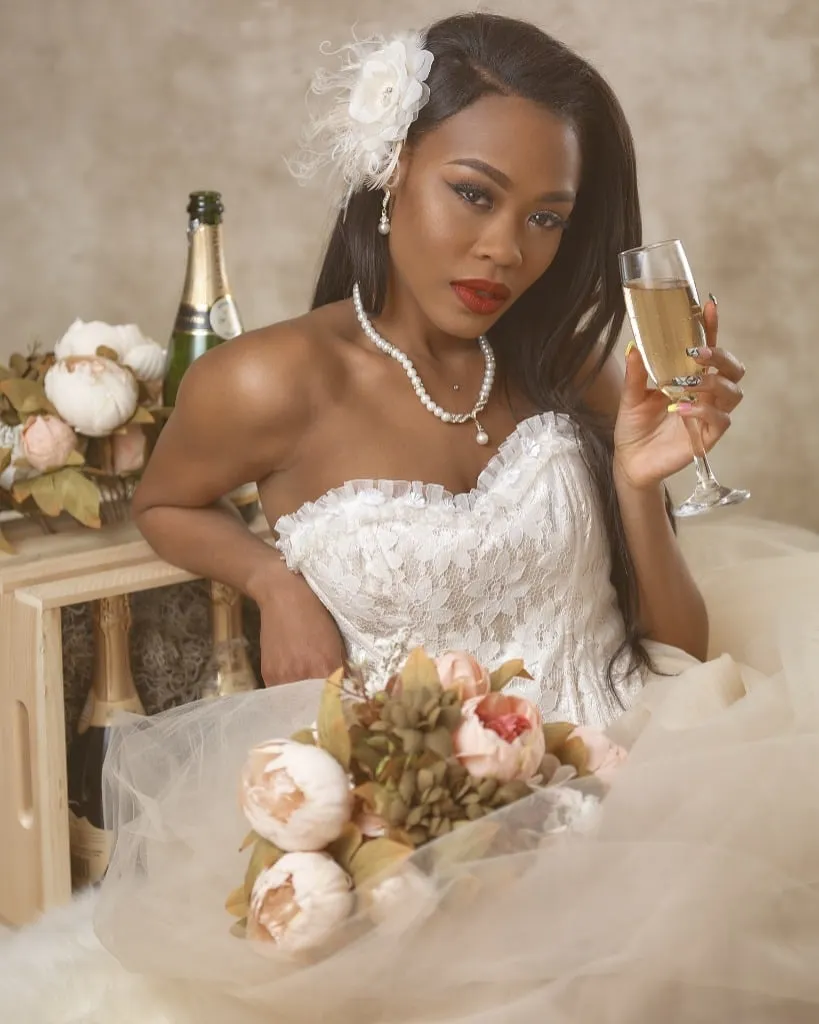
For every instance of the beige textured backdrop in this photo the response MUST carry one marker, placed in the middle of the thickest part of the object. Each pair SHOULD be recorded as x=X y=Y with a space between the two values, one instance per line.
x=112 y=112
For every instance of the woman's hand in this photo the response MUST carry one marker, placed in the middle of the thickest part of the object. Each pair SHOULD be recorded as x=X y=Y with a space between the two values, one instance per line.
x=651 y=441
x=299 y=637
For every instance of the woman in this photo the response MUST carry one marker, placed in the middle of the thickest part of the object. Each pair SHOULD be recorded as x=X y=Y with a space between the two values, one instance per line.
x=490 y=184
x=506 y=209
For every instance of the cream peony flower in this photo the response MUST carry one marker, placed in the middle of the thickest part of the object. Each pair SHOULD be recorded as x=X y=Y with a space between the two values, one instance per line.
x=501 y=736
x=47 y=442
x=299 y=902
x=459 y=671
x=144 y=356
x=95 y=395
x=147 y=361
x=295 y=795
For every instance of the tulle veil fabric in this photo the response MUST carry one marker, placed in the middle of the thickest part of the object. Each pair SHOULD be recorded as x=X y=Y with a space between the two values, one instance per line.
x=690 y=897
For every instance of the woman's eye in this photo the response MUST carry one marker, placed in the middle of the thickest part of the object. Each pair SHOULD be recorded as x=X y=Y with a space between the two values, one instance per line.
x=548 y=219
x=471 y=193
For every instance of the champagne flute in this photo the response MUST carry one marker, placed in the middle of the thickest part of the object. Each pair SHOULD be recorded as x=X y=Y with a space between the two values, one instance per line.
x=666 y=318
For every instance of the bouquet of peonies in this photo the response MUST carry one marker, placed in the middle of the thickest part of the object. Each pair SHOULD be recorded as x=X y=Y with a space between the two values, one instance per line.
x=76 y=423
x=337 y=809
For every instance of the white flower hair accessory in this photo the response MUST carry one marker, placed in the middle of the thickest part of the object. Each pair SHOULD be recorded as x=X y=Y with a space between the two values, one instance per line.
x=377 y=94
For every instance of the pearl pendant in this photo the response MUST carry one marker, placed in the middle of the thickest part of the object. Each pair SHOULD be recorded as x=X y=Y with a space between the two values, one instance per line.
x=482 y=437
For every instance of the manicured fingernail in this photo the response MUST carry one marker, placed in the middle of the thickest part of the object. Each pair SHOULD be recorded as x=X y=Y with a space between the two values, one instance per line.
x=631 y=345
x=713 y=298
x=699 y=353
x=680 y=406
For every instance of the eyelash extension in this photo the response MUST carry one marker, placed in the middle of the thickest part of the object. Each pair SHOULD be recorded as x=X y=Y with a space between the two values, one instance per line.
x=464 y=188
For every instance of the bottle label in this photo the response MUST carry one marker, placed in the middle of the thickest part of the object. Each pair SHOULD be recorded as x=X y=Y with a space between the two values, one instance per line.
x=190 y=320
x=90 y=851
x=101 y=712
x=224 y=318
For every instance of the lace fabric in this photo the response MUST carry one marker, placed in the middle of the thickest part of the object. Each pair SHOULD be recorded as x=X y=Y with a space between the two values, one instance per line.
x=517 y=567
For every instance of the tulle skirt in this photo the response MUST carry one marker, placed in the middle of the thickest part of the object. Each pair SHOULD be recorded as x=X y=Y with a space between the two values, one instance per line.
x=690 y=896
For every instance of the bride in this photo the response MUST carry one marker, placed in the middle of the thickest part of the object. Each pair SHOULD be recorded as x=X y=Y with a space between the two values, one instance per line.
x=451 y=457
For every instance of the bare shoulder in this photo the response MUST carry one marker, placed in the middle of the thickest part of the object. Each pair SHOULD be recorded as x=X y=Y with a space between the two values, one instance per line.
x=266 y=383
x=243 y=410
x=269 y=372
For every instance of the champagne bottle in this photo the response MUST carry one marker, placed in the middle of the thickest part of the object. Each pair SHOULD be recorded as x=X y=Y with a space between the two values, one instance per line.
x=112 y=691
x=232 y=672
x=207 y=313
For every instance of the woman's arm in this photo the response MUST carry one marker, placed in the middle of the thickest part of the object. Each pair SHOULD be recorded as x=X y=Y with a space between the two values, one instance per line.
x=671 y=608
x=239 y=416
x=229 y=427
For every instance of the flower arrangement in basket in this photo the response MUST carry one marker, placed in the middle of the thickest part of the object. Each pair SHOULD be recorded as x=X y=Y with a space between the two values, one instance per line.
x=77 y=423
x=336 y=809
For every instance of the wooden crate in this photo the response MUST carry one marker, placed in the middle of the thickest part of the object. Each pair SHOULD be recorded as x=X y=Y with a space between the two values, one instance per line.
x=46 y=574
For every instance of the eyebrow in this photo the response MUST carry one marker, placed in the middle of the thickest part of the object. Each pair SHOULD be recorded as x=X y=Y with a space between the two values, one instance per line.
x=501 y=179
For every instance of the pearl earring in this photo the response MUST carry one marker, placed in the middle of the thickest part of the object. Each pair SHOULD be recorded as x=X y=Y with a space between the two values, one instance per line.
x=384 y=223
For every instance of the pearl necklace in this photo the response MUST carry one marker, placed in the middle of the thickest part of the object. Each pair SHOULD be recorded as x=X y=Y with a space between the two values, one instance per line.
x=404 y=360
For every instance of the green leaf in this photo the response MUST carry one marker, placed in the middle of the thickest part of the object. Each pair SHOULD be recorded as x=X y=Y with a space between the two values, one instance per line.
x=304 y=736
x=575 y=753
x=18 y=364
x=142 y=415
x=556 y=734
x=508 y=671
x=439 y=741
x=419 y=671
x=80 y=496
x=5 y=546
x=75 y=459
x=236 y=903
x=333 y=734
x=343 y=849
x=248 y=841
x=265 y=855
x=375 y=857
x=27 y=396
x=468 y=842
x=46 y=493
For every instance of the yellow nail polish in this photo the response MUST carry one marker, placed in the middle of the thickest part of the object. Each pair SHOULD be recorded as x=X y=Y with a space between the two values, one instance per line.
x=631 y=345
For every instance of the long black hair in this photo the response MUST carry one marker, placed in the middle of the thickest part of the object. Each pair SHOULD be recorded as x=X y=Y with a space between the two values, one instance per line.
x=576 y=309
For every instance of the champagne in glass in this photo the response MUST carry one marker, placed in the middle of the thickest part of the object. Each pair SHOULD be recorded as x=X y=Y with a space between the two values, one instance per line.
x=666 y=318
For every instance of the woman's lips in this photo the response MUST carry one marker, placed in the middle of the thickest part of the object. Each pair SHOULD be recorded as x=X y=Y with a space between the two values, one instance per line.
x=481 y=297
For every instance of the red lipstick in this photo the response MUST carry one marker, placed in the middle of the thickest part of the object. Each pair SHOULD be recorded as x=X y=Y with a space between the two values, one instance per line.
x=481 y=296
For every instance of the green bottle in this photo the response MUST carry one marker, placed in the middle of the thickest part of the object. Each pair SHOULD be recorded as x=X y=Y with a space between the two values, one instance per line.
x=207 y=313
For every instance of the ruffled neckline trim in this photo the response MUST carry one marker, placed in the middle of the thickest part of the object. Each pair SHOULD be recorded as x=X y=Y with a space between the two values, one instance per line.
x=419 y=494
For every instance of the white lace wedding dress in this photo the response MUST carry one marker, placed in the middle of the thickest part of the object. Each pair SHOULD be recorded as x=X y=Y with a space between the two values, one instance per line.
x=694 y=896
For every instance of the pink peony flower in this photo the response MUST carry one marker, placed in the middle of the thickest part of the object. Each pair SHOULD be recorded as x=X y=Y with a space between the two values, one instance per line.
x=603 y=756
x=459 y=671
x=47 y=442
x=128 y=449
x=500 y=736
